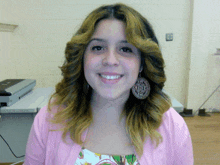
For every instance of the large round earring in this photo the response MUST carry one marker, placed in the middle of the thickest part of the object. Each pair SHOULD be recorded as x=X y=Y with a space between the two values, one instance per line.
x=141 y=89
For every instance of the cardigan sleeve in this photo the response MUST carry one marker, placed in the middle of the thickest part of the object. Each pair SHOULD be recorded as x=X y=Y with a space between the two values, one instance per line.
x=183 y=150
x=36 y=144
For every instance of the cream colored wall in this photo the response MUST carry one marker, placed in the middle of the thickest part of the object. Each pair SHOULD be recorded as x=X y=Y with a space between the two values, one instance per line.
x=204 y=75
x=213 y=69
x=36 y=48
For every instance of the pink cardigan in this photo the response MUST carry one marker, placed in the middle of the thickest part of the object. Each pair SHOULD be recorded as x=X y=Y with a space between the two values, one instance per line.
x=47 y=148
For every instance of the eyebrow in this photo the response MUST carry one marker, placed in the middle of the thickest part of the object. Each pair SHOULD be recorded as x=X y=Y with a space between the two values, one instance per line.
x=103 y=40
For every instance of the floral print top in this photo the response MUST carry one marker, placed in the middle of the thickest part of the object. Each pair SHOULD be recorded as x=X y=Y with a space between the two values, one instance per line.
x=87 y=157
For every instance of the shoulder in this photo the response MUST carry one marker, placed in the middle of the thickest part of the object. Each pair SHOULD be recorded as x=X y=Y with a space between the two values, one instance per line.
x=172 y=118
x=176 y=145
x=44 y=115
x=176 y=123
x=173 y=125
x=41 y=126
x=171 y=112
x=175 y=130
x=44 y=146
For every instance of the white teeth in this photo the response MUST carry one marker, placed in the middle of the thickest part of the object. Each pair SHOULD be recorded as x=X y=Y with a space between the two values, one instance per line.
x=110 y=77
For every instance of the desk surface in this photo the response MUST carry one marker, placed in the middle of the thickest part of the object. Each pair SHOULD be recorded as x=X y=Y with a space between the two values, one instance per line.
x=30 y=103
x=38 y=98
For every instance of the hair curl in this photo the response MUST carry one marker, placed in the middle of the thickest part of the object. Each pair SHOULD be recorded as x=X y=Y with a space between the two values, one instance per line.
x=143 y=117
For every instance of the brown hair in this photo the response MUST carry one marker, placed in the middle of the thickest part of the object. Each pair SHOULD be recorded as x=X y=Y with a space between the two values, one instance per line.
x=143 y=117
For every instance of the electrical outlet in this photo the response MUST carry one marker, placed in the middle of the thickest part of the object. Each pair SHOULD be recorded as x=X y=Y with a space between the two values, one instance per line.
x=169 y=36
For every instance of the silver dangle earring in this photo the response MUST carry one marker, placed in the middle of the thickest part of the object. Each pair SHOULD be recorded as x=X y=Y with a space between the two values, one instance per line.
x=141 y=89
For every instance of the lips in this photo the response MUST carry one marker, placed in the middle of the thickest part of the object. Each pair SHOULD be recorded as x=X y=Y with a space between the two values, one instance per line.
x=110 y=74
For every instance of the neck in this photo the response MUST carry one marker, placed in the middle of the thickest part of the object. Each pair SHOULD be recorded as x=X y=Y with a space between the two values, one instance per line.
x=108 y=107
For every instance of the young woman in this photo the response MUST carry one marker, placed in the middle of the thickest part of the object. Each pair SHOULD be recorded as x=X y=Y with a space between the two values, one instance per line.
x=109 y=107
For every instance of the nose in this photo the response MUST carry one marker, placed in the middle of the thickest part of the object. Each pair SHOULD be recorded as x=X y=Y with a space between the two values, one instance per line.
x=110 y=58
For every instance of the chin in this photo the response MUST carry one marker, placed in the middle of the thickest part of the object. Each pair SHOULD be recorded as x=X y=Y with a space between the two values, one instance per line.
x=110 y=96
x=113 y=95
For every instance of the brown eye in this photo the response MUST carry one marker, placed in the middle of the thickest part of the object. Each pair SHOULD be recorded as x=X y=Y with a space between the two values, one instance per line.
x=126 y=50
x=97 y=48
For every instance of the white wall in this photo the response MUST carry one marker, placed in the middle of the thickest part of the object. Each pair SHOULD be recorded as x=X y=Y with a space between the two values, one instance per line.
x=213 y=69
x=204 y=75
x=36 y=48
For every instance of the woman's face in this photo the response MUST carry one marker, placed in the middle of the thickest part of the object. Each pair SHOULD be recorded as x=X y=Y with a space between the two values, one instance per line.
x=111 y=64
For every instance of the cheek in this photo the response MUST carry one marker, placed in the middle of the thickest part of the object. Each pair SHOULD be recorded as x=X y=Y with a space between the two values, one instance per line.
x=86 y=61
x=89 y=63
x=86 y=65
x=133 y=65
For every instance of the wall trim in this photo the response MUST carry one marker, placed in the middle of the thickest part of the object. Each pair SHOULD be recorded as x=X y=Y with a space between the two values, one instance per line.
x=7 y=27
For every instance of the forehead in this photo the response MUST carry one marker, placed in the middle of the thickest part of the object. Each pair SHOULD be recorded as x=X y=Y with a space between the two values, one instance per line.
x=110 y=29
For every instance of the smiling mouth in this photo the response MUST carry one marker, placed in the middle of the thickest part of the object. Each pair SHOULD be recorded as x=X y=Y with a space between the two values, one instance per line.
x=110 y=77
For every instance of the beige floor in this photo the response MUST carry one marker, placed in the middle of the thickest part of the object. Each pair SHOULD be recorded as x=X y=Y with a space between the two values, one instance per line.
x=205 y=133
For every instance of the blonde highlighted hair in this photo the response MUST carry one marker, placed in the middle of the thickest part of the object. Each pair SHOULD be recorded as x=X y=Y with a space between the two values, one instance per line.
x=143 y=117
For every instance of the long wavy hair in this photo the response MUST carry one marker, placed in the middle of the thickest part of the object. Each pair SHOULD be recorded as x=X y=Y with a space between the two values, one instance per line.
x=143 y=117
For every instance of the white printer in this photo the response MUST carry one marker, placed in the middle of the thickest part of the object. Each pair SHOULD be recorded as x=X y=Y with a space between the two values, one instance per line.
x=12 y=90
x=19 y=96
